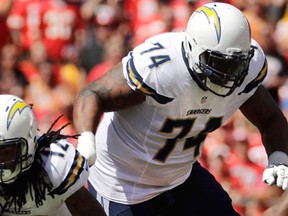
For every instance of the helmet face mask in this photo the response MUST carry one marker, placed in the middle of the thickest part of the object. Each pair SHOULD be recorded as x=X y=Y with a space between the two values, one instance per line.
x=218 y=47
x=13 y=154
x=224 y=71
x=18 y=129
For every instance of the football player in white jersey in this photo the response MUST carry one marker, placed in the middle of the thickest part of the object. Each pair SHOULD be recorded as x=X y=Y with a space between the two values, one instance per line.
x=39 y=174
x=160 y=103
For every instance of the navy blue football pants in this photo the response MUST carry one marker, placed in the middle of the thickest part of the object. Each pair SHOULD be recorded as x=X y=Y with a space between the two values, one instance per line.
x=199 y=195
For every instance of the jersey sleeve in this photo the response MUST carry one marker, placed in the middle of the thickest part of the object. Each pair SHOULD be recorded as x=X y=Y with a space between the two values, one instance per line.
x=152 y=68
x=67 y=168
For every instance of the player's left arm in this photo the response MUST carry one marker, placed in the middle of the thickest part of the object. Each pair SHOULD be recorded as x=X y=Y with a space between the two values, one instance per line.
x=83 y=203
x=66 y=168
x=261 y=110
x=280 y=208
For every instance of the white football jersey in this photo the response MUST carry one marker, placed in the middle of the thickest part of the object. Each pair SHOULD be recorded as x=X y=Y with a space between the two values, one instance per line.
x=68 y=172
x=150 y=148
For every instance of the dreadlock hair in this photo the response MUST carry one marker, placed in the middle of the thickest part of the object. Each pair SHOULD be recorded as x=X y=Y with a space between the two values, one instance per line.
x=35 y=179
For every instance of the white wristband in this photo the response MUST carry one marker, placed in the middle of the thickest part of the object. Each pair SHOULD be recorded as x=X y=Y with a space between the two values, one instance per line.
x=86 y=146
x=278 y=157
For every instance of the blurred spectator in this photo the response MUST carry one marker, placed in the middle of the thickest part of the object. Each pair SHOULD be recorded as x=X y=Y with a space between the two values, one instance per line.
x=5 y=8
x=262 y=31
x=241 y=4
x=240 y=163
x=24 y=23
x=36 y=56
x=255 y=13
x=40 y=89
x=52 y=86
x=181 y=14
x=105 y=19
x=87 y=9
x=280 y=33
x=275 y=10
x=113 y=53
x=54 y=22
x=70 y=78
x=151 y=17
x=198 y=3
x=277 y=64
x=60 y=21
x=12 y=80
x=283 y=96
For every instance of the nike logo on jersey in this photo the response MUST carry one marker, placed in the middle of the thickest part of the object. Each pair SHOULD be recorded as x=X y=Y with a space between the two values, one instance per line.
x=198 y=111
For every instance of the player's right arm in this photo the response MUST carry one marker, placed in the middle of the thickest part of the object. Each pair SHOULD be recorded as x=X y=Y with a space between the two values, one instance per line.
x=108 y=93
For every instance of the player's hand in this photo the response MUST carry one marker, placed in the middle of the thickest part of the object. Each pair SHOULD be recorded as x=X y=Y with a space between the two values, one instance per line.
x=277 y=171
x=86 y=146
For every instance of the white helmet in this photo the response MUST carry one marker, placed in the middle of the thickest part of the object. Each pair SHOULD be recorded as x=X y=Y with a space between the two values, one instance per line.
x=218 y=47
x=18 y=130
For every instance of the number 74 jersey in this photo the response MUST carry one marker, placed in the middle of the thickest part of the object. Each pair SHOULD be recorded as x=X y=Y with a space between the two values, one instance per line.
x=150 y=148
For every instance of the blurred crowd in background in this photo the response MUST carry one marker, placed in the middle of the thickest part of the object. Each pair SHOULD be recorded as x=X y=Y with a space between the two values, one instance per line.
x=50 y=49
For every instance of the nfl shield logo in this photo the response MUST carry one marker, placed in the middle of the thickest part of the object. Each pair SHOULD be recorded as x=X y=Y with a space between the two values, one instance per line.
x=203 y=99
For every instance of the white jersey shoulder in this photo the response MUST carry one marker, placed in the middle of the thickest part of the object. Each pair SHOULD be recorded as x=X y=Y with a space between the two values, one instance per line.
x=156 y=68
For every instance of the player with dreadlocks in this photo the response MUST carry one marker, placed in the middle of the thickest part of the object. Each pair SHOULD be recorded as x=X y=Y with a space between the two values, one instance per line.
x=39 y=174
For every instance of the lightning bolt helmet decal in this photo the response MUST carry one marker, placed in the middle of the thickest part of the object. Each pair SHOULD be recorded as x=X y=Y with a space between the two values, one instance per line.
x=18 y=106
x=213 y=18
